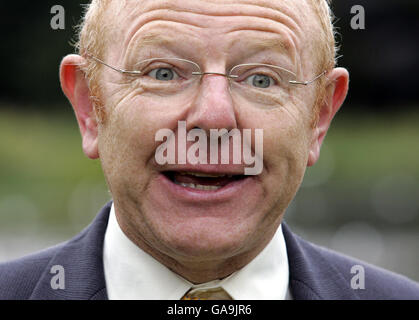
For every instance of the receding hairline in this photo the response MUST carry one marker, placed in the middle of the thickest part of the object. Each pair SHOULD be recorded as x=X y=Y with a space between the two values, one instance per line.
x=97 y=17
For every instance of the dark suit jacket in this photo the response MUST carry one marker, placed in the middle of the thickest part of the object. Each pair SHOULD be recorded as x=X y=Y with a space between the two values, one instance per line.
x=315 y=272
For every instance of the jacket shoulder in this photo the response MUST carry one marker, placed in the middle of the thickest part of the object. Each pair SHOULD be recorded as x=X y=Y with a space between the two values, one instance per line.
x=30 y=277
x=367 y=280
x=19 y=277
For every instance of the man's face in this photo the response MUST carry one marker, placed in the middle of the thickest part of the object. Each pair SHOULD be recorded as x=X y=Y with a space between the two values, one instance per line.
x=155 y=211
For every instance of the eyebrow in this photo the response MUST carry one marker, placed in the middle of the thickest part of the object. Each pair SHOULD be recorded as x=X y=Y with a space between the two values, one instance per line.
x=153 y=39
x=257 y=44
x=274 y=44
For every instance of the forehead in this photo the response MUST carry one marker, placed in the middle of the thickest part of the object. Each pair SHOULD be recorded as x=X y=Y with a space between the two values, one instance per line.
x=282 y=23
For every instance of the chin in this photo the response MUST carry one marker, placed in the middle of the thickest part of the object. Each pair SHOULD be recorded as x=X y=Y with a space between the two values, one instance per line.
x=207 y=248
x=209 y=237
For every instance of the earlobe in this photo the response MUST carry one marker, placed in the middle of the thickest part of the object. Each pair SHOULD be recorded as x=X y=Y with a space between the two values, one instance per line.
x=336 y=92
x=75 y=86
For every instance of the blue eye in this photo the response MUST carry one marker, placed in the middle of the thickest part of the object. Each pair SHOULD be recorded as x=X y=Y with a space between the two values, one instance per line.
x=260 y=81
x=163 y=74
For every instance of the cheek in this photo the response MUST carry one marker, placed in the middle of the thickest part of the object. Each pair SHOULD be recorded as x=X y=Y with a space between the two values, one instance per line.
x=127 y=141
x=286 y=149
x=127 y=145
x=127 y=138
x=123 y=157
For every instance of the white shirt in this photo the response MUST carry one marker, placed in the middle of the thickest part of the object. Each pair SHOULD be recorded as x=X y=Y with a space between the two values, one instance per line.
x=132 y=274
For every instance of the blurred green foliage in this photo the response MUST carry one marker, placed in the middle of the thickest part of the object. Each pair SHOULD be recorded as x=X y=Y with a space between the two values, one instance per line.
x=369 y=146
x=41 y=159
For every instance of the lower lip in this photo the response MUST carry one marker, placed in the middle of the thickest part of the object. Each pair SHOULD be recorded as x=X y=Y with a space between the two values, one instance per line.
x=232 y=189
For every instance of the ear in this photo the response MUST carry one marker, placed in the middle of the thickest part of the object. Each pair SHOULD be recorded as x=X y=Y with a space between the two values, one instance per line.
x=75 y=87
x=336 y=92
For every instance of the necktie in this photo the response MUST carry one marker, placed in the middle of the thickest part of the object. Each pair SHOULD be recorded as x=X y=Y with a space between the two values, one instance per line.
x=207 y=294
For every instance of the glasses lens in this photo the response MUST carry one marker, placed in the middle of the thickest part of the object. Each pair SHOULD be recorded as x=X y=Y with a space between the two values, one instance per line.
x=166 y=75
x=261 y=84
x=261 y=76
x=167 y=69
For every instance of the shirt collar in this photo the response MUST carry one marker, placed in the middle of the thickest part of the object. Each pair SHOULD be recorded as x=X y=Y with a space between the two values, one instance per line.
x=132 y=274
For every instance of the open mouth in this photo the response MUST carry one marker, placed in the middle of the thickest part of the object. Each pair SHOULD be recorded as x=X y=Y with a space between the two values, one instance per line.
x=202 y=181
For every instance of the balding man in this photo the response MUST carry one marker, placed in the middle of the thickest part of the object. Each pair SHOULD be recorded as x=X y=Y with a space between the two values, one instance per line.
x=205 y=116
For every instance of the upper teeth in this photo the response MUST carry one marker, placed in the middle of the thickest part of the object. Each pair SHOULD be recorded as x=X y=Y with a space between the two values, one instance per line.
x=198 y=186
x=200 y=174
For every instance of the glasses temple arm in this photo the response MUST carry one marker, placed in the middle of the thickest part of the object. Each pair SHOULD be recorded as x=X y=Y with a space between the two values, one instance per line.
x=113 y=68
x=306 y=83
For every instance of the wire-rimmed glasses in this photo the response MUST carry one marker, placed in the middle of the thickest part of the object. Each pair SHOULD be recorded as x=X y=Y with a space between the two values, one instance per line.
x=258 y=82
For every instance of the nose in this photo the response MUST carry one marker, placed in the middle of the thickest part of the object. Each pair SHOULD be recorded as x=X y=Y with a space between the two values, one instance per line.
x=213 y=106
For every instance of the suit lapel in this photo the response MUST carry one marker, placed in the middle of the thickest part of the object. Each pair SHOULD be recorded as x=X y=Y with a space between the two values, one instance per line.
x=82 y=262
x=312 y=275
